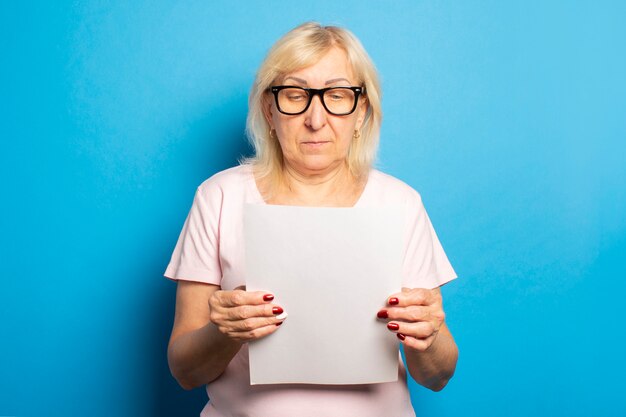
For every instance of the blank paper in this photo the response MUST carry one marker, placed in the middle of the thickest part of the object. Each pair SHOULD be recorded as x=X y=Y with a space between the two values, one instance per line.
x=331 y=269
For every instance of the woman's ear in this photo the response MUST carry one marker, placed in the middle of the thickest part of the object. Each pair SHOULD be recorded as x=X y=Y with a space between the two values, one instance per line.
x=267 y=110
x=361 y=112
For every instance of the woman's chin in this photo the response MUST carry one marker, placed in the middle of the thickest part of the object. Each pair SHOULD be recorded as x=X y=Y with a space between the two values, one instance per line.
x=317 y=164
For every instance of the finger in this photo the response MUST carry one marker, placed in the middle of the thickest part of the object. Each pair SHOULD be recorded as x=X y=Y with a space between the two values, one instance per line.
x=251 y=324
x=420 y=345
x=249 y=311
x=419 y=330
x=243 y=318
x=414 y=296
x=248 y=336
x=239 y=298
x=408 y=314
x=433 y=313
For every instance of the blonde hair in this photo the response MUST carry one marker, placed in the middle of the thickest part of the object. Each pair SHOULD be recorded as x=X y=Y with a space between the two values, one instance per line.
x=303 y=46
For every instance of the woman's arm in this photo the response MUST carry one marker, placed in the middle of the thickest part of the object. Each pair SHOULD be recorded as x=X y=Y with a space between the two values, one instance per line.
x=211 y=325
x=417 y=317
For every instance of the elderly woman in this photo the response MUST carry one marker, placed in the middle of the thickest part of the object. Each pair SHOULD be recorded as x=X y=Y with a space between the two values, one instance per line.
x=314 y=121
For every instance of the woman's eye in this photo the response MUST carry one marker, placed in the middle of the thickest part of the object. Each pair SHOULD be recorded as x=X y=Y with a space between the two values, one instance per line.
x=296 y=96
x=337 y=97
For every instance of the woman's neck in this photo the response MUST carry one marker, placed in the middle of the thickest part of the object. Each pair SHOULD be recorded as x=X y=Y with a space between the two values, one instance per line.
x=333 y=188
x=330 y=176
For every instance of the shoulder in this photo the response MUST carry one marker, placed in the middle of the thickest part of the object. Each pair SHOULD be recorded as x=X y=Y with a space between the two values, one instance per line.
x=390 y=189
x=229 y=181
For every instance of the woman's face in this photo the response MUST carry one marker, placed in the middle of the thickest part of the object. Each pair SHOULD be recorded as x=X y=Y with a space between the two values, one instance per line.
x=317 y=142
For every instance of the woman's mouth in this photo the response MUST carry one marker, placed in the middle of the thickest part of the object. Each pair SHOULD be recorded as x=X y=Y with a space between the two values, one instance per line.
x=315 y=143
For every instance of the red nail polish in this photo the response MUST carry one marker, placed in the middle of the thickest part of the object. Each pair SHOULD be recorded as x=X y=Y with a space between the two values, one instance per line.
x=268 y=297
x=277 y=310
x=401 y=336
x=279 y=323
x=382 y=314
x=393 y=301
x=393 y=326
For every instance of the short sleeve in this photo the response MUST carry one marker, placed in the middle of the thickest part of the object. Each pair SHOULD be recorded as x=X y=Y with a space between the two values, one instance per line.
x=425 y=264
x=196 y=255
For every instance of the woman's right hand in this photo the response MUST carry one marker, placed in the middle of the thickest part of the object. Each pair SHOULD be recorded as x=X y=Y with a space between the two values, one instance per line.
x=244 y=316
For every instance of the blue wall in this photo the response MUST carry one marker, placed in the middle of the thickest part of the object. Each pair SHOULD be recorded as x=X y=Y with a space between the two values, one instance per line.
x=509 y=119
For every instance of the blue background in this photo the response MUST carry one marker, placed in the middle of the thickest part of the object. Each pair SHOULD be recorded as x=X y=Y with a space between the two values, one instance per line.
x=508 y=118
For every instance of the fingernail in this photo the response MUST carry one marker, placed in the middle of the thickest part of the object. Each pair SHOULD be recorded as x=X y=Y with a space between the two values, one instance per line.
x=279 y=323
x=277 y=310
x=401 y=336
x=282 y=316
x=268 y=297
x=382 y=314
x=393 y=326
x=393 y=301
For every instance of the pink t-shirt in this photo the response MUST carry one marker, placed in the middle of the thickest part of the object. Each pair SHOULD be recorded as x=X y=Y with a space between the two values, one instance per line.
x=210 y=250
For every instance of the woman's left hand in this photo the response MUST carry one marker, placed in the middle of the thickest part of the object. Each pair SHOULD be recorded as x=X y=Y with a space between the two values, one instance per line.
x=415 y=315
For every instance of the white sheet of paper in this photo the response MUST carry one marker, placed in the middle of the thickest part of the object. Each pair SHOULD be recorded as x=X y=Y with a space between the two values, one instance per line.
x=331 y=269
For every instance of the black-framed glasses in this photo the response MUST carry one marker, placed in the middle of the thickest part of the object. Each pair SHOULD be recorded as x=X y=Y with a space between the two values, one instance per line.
x=339 y=101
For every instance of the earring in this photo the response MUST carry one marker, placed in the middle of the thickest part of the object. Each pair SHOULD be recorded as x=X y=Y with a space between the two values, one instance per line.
x=356 y=134
x=272 y=134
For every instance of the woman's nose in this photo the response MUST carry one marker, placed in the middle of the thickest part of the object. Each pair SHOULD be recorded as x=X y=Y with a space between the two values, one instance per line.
x=316 y=114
